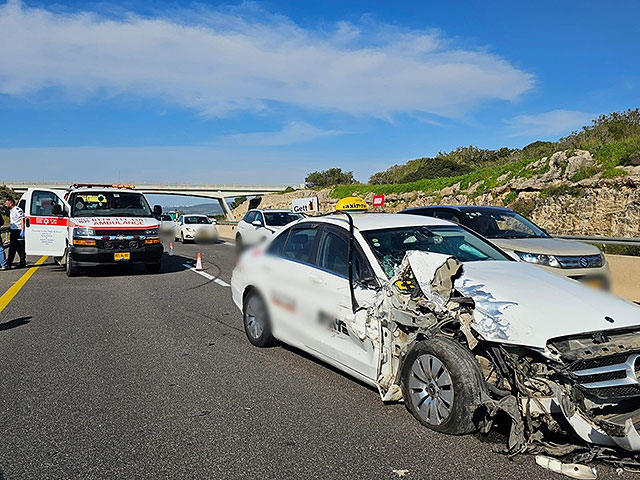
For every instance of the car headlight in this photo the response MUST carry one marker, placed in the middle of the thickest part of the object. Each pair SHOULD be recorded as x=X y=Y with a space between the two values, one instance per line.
x=83 y=232
x=189 y=229
x=539 y=259
x=151 y=231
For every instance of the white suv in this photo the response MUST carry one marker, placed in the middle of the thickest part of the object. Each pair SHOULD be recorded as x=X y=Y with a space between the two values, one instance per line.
x=427 y=311
x=259 y=224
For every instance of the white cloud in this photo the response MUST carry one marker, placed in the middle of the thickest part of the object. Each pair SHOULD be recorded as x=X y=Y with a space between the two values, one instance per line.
x=290 y=134
x=242 y=58
x=547 y=124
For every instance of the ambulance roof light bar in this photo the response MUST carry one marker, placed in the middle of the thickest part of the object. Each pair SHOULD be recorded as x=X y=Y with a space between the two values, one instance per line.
x=102 y=185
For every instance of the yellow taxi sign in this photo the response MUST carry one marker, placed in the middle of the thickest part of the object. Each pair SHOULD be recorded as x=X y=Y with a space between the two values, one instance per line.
x=352 y=204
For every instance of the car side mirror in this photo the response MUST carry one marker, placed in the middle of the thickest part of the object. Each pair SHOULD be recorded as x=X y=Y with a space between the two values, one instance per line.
x=57 y=211
x=256 y=223
x=157 y=210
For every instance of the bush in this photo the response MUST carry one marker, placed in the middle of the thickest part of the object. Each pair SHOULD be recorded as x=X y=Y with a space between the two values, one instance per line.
x=509 y=197
x=237 y=202
x=605 y=129
x=328 y=178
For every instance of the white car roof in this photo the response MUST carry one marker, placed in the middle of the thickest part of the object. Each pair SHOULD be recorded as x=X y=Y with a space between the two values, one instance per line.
x=270 y=210
x=377 y=221
x=103 y=189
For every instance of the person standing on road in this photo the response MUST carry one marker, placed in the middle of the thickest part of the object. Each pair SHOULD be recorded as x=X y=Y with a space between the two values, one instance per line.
x=3 y=261
x=16 y=233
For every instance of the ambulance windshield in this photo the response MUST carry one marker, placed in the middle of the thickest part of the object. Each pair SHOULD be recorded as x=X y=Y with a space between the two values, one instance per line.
x=109 y=204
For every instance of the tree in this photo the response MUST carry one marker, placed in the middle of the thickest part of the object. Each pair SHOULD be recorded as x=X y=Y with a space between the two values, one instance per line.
x=327 y=178
x=237 y=202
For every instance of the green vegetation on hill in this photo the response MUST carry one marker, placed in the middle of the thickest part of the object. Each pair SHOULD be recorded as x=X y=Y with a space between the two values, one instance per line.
x=613 y=140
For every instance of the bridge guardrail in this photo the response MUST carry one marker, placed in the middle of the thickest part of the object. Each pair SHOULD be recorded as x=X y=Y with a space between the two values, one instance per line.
x=634 y=242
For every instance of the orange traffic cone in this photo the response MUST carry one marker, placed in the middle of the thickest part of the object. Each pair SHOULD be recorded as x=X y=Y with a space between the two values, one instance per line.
x=199 y=262
x=171 y=249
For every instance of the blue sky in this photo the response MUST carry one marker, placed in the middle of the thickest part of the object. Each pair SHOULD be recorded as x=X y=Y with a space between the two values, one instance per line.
x=265 y=92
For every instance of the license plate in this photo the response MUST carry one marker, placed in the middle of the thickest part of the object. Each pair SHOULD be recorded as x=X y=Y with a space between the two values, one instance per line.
x=594 y=282
x=122 y=256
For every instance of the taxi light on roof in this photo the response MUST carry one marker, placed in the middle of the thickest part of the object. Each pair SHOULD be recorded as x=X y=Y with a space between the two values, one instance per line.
x=352 y=204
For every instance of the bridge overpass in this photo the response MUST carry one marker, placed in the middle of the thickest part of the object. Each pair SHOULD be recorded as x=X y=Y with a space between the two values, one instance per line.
x=212 y=191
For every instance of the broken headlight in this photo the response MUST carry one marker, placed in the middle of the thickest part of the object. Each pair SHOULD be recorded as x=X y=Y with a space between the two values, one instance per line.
x=538 y=259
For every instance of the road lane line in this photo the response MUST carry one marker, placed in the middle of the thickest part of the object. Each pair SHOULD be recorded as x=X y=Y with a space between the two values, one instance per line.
x=206 y=275
x=15 y=288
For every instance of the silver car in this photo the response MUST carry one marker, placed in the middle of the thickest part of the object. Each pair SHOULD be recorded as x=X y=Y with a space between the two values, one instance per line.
x=528 y=242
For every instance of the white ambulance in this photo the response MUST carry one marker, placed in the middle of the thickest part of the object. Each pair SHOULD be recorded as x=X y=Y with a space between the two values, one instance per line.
x=92 y=225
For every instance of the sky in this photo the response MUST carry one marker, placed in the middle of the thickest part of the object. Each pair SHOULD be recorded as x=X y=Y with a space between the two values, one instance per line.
x=266 y=92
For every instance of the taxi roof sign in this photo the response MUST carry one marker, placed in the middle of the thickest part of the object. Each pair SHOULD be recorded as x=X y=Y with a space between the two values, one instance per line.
x=352 y=204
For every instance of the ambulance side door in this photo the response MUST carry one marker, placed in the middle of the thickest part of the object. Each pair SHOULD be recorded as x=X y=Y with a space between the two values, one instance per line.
x=46 y=223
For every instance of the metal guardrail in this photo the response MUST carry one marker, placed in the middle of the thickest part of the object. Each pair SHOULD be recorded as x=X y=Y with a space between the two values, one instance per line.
x=634 y=242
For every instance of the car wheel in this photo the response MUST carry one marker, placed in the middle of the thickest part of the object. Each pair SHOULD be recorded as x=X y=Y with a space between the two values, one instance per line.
x=239 y=246
x=442 y=386
x=153 y=267
x=256 y=321
x=71 y=268
x=182 y=237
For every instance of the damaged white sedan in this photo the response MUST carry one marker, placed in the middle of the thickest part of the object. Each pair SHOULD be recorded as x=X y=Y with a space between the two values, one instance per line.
x=426 y=311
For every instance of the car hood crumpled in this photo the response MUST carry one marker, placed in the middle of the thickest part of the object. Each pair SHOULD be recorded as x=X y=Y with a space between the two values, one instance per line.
x=522 y=304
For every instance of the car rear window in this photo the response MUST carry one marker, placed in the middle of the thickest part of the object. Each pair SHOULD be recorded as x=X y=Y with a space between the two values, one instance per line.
x=280 y=219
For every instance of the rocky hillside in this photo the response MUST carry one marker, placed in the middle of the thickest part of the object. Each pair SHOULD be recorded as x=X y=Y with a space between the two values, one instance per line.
x=564 y=193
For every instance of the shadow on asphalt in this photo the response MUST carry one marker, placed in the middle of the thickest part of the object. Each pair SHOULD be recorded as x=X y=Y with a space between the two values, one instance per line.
x=170 y=264
x=18 y=322
x=319 y=362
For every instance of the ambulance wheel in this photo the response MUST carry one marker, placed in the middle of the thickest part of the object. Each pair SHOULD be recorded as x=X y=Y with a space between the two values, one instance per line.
x=72 y=269
x=154 y=267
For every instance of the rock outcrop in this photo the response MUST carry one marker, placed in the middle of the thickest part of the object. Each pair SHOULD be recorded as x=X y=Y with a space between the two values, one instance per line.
x=550 y=197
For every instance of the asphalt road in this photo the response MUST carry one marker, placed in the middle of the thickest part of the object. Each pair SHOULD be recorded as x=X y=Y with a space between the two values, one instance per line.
x=120 y=374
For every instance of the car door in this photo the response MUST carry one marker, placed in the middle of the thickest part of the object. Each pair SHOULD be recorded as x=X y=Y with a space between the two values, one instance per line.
x=178 y=227
x=46 y=223
x=245 y=228
x=260 y=232
x=287 y=271
x=339 y=337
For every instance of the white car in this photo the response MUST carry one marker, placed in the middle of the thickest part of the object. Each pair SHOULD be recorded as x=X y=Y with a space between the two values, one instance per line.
x=439 y=317
x=167 y=224
x=260 y=224
x=196 y=228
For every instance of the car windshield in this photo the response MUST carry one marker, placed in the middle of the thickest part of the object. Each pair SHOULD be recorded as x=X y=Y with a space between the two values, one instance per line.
x=166 y=218
x=109 y=204
x=280 y=219
x=501 y=224
x=391 y=245
x=197 y=220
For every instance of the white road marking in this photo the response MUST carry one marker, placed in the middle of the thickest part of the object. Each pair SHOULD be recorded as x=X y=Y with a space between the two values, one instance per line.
x=229 y=243
x=206 y=275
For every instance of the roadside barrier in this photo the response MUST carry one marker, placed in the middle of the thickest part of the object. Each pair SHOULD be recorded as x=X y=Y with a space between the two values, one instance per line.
x=602 y=240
